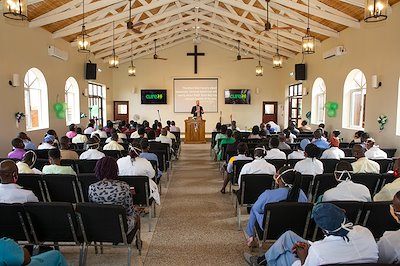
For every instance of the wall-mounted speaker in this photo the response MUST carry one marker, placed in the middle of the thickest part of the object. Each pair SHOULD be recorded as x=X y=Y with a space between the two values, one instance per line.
x=300 y=71
x=90 y=71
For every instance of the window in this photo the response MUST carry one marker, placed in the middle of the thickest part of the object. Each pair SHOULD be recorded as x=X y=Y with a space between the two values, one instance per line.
x=36 y=101
x=295 y=103
x=97 y=103
x=398 y=111
x=354 y=100
x=318 y=101
x=72 y=100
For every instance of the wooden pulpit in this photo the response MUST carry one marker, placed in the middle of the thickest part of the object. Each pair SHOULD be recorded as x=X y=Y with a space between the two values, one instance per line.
x=195 y=130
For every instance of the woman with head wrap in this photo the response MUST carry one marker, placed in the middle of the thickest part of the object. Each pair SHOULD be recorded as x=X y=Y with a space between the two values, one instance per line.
x=133 y=165
x=26 y=165
x=109 y=190
x=288 y=190
x=92 y=150
x=310 y=165
x=343 y=243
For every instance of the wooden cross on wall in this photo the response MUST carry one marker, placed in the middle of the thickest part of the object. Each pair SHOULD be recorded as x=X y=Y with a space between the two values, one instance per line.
x=195 y=54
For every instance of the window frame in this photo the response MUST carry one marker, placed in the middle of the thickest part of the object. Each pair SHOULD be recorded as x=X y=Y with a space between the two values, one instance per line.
x=38 y=85
x=97 y=95
x=295 y=102
x=318 y=102
x=72 y=90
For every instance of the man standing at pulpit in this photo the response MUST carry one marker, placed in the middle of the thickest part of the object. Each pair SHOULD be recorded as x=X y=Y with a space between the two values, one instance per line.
x=197 y=110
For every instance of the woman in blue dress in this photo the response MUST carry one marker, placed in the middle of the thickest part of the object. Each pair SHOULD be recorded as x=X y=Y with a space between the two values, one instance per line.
x=288 y=190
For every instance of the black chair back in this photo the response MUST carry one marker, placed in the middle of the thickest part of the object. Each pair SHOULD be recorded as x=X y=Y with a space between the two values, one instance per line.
x=34 y=183
x=329 y=165
x=42 y=154
x=278 y=163
x=112 y=217
x=252 y=186
x=85 y=166
x=386 y=178
x=390 y=152
x=40 y=163
x=177 y=136
x=142 y=189
x=378 y=219
x=385 y=164
x=113 y=153
x=371 y=181
x=283 y=216
x=52 y=222
x=162 y=157
x=13 y=223
x=307 y=182
x=292 y=162
x=237 y=167
x=347 y=152
x=230 y=154
x=85 y=180
x=322 y=183
x=62 y=188
x=69 y=162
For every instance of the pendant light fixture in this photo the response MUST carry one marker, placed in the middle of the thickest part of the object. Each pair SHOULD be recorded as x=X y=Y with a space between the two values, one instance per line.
x=132 y=68
x=113 y=60
x=308 y=41
x=277 y=59
x=376 y=10
x=83 y=38
x=259 y=68
x=15 y=9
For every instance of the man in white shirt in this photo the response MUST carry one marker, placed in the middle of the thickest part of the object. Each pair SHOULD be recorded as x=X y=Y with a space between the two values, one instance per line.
x=174 y=128
x=373 y=151
x=333 y=152
x=10 y=192
x=388 y=191
x=346 y=189
x=101 y=132
x=299 y=153
x=47 y=143
x=79 y=138
x=274 y=152
x=113 y=144
x=310 y=165
x=92 y=152
x=389 y=243
x=163 y=138
x=363 y=164
x=343 y=243
x=133 y=165
x=258 y=166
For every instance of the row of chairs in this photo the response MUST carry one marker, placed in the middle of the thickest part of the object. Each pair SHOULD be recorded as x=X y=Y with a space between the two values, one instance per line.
x=252 y=185
x=283 y=216
x=74 y=189
x=62 y=224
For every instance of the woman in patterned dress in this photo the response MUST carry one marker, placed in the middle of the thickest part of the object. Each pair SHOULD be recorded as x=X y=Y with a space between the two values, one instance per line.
x=109 y=190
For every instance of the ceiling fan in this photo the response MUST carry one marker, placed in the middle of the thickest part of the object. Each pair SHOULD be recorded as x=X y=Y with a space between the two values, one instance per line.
x=155 y=56
x=268 y=26
x=129 y=24
x=239 y=57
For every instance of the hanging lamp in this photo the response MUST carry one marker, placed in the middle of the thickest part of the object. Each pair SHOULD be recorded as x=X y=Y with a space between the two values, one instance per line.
x=113 y=60
x=132 y=68
x=277 y=59
x=259 y=67
x=308 y=41
x=376 y=10
x=83 y=38
x=15 y=9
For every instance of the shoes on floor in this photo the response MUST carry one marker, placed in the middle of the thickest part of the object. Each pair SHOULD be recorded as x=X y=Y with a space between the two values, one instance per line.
x=251 y=260
x=222 y=191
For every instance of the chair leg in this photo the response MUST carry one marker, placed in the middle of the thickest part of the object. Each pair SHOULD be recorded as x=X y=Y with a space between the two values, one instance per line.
x=84 y=258
x=82 y=255
x=150 y=216
x=238 y=211
x=129 y=255
x=96 y=251
x=154 y=210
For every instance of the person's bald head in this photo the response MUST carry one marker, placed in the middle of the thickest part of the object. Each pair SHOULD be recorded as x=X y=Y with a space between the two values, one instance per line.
x=358 y=151
x=8 y=171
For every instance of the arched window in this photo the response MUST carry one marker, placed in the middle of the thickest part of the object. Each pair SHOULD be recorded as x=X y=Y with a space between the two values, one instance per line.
x=36 y=101
x=72 y=100
x=318 y=101
x=354 y=92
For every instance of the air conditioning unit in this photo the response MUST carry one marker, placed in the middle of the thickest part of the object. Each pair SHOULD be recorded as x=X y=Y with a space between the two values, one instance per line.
x=336 y=51
x=57 y=53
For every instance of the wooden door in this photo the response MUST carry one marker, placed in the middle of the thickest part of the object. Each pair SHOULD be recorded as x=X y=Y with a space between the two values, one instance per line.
x=270 y=112
x=121 y=110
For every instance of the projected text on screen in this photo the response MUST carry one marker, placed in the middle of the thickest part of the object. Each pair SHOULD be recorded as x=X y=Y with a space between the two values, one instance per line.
x=187 y=91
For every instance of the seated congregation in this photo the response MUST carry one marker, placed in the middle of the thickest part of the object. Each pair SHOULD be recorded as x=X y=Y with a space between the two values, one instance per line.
x=317 y=200
x=107 y=170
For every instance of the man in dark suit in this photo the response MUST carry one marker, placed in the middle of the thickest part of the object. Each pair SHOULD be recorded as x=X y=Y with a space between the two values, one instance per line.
x=197 y=110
